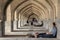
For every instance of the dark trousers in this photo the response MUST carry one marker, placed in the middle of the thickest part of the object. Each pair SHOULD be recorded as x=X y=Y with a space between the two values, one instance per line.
x=44 y=35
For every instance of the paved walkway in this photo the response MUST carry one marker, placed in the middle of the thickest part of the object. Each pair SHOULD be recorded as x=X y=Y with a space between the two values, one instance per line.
x=17 y=38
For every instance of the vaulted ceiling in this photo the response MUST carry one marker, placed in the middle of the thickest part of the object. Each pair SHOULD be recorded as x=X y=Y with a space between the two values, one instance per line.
x=44 y=9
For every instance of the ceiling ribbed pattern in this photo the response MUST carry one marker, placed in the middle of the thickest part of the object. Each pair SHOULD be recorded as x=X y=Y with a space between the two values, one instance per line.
x=44 y=9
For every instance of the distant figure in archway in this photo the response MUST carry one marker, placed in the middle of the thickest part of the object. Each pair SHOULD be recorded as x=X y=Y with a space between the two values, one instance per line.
x=33 y=20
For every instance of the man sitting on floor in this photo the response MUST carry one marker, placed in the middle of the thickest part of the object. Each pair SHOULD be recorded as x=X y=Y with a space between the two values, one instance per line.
x=51 y=34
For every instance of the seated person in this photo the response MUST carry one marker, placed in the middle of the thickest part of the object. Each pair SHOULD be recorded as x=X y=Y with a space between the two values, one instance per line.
x=38 y=24
x=51 y=34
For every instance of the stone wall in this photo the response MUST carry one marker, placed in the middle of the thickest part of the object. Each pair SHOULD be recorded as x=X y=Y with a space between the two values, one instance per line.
x=2 y=4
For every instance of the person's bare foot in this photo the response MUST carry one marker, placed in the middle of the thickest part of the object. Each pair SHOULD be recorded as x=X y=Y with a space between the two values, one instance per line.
x=36 y=34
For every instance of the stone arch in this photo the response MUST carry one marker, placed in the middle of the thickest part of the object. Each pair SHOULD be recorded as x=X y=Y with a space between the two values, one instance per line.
x=5 y=7
x=24 y=7
x=15 y=23
x=4 y=15
x=53 y=8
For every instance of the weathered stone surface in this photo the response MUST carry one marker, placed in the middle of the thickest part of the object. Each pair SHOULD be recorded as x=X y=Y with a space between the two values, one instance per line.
x=28 y=39
x=15 y=3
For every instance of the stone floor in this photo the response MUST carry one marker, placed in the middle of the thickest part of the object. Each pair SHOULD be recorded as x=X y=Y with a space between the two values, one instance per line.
x=17 y=38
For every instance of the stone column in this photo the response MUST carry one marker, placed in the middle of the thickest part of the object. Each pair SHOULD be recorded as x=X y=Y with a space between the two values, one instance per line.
x=8 y=20
x=15 y=22
x=58 y=19
x=58 y=28
x=22 y=20
x=1 y=15
x=0 y=27
x=19 y=21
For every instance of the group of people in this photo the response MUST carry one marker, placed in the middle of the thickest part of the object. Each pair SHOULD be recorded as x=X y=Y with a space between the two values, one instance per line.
x=51 y=34
x=34 y=22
